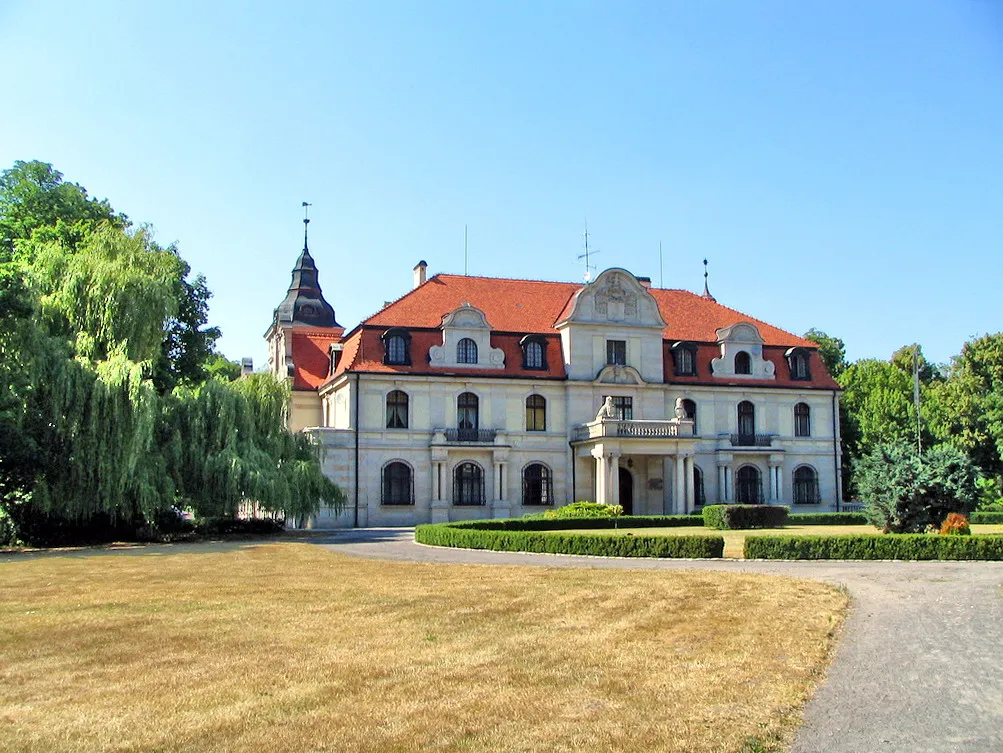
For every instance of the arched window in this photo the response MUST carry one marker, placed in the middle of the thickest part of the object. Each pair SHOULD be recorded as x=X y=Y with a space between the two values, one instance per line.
x=802 y=420
x=396 y=347
x=466 y=351
x=398 y=484
x=748 y=486
x=797 y=362
x=537 y=485
x=806 y=486
x=743 y=363
x=536 y=413
x=533 y=352
x=396 y=410
x=701 y=498
x=468 y=484
x=691 y=413
x=684 y=359
x=746 y=423
x=466 y=413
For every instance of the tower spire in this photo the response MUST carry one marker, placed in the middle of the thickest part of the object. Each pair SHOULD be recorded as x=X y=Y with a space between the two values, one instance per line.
x=706 y=290
x=306 y=224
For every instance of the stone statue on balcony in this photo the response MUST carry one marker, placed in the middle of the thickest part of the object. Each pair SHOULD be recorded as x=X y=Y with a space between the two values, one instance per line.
x=606 y=410
x=680 y=409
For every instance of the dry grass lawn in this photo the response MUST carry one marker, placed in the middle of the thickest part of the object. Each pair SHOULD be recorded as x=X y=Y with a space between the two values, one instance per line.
x=734 y=541
x=289 y=647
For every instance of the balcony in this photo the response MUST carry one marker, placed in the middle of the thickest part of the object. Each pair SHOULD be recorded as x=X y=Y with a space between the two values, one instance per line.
x=631 y=429
x=480 y=436
x=751 y=440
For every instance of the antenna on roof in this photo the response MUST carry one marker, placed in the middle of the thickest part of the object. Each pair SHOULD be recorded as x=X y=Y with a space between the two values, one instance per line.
x=306 y=222
x=464 y=250
x=661 y=276
x=706 y=290
x=588 y=267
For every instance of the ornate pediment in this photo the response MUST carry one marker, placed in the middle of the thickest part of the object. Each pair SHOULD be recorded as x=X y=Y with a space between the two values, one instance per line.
x=466 y=317
x=616 y=297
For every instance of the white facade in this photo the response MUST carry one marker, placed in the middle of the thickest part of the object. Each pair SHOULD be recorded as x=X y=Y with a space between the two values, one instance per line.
x=649 y=455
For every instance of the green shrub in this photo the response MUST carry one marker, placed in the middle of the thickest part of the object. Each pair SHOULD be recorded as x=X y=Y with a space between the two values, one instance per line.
x=466 y=536
x=584 y=510
x=827 y=519
x=905 y=546
x=733 y=517
x=905 y=493
x=538 y=523
x=985 y=517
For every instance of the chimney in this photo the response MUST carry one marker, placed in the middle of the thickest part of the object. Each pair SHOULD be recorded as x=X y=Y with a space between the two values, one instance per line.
x=645 y=281
x=246 y=366
x=419 y=273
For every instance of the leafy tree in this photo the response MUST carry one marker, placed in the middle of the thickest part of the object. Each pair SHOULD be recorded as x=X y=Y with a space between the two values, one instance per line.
x=906 y=493
x=108 y=414
x=903 y=359
x=967 y=408
x=878 y=398
x=34 y=196
x=832 y=350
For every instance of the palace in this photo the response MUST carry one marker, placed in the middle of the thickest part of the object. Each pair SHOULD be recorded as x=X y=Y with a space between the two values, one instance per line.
x=475 y=397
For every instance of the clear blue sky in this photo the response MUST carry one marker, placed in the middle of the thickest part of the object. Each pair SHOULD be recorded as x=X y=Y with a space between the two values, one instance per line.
x=839 y=163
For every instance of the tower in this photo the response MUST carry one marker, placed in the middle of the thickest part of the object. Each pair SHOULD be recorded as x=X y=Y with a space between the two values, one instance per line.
x=300 y=337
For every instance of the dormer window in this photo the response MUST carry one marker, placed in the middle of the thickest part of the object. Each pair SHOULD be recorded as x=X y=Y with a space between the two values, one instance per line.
x=743 y=363
x=797 y=362
x=534 y=352
x=396 y=347
x=466 y=351
x=684 y=359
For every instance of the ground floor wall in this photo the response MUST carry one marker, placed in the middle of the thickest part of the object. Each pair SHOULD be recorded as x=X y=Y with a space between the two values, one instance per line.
x=653 y=481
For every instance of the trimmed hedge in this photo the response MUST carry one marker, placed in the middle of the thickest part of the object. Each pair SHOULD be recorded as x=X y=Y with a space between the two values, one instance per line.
x=236 y=526
x=732 y=517
x=986 y=517
x=827 y=519
x=889 y=546
x=488 y=535
x=554 y=524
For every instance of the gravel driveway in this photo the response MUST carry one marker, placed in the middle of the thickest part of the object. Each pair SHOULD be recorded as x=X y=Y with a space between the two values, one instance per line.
x=919 y=668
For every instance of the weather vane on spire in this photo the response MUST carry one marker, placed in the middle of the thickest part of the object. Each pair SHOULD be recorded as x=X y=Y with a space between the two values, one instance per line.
x=706 y=290
x=306 y=222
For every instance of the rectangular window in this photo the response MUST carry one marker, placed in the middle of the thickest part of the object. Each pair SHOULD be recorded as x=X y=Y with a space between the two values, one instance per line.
x=623 y=408
x=616 y=352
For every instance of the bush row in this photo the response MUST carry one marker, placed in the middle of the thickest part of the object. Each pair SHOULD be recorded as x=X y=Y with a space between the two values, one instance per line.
x=827 y=519
x=730 y=517
x=889 y=546
x=499 y=539
x=986 y=517
x=248 y=526
x=554 y=524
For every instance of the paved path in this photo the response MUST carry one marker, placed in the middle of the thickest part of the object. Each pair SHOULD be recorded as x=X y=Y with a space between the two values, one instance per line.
x=919 y=668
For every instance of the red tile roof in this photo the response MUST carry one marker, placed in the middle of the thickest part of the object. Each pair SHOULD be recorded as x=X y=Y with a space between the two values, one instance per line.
x=514 y=308
x=820 y=378
x=311 y=357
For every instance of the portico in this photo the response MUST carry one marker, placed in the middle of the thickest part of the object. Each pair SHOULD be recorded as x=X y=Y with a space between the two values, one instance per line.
x=659 y=449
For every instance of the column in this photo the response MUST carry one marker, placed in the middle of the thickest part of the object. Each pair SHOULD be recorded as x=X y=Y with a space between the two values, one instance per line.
x=722 y=483
x=680 y=500
x=780 y=484
x=499 y=491
x=690 y=484
x=614 y=478
x=729 y=484
x=601 y=474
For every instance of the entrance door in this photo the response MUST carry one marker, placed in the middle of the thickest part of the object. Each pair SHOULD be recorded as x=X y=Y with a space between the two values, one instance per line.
x=626 y=492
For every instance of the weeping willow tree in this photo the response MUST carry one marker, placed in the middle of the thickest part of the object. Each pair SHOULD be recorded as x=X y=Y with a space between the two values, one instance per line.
x=227 y=443
x=85 y=409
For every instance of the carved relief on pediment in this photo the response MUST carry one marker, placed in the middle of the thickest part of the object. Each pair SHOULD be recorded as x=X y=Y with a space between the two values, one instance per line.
x=614 y=302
